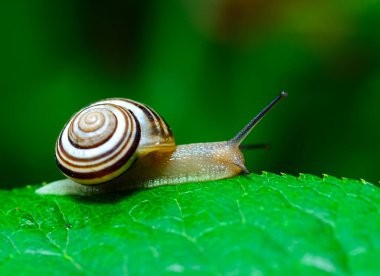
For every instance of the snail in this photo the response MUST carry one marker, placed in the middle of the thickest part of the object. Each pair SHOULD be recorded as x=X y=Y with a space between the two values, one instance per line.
x=118 y=144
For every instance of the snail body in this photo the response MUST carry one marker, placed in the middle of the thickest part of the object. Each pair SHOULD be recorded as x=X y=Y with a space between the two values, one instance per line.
x=118 y=144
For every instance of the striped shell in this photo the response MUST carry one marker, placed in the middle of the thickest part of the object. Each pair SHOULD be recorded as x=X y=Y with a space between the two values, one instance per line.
x=103 y=140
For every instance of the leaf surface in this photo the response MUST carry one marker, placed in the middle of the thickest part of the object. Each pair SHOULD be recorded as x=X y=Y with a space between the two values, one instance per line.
x=256 y=224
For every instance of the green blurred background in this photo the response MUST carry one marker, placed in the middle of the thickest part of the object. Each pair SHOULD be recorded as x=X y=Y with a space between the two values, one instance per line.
x=207 y=66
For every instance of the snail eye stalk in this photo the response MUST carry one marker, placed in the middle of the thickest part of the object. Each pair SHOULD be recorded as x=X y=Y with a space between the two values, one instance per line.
x=247 y=129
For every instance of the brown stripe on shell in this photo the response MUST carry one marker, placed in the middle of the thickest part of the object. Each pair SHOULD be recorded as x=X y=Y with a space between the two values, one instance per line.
x=142 y=107
x=157 y=121
x=70 y=125
x=114 y=167
x=105 y=171
x=150 y=115
x=94 y=145
x=169 y=130
x=65 y=157
x=159 y=127
x=164 y=127
x=60 y=151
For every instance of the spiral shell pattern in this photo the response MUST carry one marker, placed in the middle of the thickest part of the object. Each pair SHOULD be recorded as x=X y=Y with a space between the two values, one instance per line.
x=103 y=140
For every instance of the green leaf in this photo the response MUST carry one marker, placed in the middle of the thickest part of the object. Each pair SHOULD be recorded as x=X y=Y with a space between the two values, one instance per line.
x=246 y=225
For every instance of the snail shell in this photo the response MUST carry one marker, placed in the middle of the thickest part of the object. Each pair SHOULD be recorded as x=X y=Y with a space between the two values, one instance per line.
x=103 y=140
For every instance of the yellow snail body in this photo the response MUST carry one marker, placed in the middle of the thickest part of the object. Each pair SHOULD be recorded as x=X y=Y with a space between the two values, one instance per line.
x=118 y=144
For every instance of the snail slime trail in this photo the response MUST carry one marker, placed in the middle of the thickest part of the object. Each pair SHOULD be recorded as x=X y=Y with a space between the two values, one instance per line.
x=118 y=144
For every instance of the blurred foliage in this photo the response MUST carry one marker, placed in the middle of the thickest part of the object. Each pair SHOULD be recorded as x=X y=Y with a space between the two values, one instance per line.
x=207 y=67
